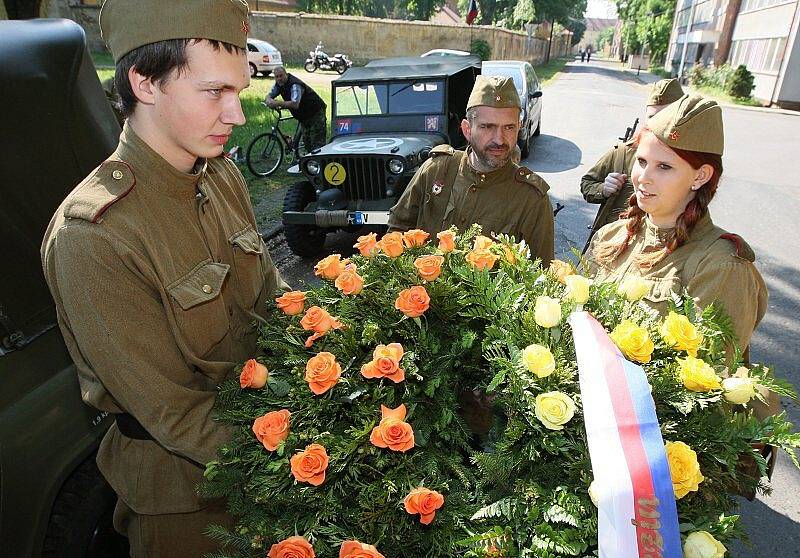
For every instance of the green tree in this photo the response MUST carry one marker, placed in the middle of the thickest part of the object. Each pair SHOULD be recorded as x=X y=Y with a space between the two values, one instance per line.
x=646 y=23
x=606 y=37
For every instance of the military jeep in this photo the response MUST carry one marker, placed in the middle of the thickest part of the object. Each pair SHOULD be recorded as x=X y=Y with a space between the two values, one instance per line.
x=385 y=119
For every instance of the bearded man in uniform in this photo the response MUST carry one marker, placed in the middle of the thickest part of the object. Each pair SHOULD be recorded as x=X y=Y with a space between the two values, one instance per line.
x=157 y=269
x=482 y=184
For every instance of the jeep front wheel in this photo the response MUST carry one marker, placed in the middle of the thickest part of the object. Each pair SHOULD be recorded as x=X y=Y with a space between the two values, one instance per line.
x=303 y=240
x=81 y=520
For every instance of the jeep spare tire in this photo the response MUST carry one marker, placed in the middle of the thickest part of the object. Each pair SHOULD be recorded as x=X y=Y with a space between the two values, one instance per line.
x=303 y=240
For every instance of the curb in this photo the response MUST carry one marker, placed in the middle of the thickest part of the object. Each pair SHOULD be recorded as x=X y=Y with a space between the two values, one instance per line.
x=769 y=110
x=272 y=232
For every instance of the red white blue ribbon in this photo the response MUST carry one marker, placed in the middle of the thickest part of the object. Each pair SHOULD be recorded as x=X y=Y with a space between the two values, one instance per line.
x=637 y=516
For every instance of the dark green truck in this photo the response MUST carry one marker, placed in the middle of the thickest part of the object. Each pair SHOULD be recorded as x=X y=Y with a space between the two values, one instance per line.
x=56 y=127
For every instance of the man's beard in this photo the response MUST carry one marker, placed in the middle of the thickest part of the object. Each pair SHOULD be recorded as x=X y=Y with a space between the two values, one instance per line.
x=490 y=162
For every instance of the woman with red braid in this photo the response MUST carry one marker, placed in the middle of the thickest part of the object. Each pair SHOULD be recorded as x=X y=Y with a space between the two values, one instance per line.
x=666 y=236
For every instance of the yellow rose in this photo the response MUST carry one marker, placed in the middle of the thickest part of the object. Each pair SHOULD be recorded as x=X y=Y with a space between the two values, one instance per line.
x=633 y=341
x=702 y=544
x=554 y=409
x=539 y=360
x=593 y=493
x=697 y=375
x=577 y=288
x=683 y=468
x=547 y=311
x=633 y=288
x=681 y=334
x=739 y=391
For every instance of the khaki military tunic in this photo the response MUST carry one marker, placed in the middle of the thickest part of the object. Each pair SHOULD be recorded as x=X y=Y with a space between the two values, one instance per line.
x=159 y=278
x=710 y=267
x=619 y=159
x=447 y=191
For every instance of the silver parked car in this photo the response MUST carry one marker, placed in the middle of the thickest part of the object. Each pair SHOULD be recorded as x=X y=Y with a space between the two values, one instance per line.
x=530 y=93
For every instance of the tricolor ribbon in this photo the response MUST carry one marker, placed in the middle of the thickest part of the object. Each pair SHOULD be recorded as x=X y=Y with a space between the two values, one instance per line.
x=637 y=516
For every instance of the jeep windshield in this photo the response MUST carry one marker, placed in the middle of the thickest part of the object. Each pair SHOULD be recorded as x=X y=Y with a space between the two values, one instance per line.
x=400 y=97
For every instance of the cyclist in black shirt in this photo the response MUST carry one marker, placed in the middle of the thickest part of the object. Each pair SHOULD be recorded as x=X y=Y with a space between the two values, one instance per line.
x=304 y=104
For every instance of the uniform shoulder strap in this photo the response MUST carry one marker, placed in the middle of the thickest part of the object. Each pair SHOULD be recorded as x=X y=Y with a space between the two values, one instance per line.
x=524 y=175
x=109 y=183
x=700 y=251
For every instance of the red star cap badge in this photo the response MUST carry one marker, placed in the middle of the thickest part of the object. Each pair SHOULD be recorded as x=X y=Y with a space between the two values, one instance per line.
x=497 y=98
x=674 y=135
x=245 y=26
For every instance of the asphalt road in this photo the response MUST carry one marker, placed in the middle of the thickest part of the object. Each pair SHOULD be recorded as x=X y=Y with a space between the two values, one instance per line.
x=585 y=109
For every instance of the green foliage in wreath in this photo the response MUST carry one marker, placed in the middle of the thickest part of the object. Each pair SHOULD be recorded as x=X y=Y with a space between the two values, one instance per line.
x=513 y=474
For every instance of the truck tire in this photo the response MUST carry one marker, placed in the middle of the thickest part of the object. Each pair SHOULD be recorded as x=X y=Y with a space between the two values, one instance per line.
x=303 y=240
x=81 y=520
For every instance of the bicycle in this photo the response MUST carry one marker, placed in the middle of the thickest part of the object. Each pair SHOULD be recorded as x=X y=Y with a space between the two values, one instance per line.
x=267 y=150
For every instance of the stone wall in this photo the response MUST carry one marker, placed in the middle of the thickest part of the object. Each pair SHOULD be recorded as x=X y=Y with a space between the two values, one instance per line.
x=364 y=38
x=361 y=38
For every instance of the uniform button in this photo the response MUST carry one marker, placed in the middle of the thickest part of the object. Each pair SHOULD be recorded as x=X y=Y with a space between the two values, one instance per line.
x=207 y=289
x=472 y=189
x=117 y=175
x=230 y=310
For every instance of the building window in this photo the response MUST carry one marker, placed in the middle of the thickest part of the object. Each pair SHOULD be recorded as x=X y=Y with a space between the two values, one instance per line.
x=759 y=55
x=749 y=5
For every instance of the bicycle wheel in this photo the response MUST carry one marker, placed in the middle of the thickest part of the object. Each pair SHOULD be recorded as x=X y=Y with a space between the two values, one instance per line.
x=264 y=154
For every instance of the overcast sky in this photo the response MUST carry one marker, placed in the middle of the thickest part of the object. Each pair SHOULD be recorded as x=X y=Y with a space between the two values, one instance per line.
x=601 y=8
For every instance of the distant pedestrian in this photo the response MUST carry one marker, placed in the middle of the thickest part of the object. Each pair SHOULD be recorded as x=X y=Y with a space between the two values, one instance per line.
x=588 y=54
x=583 y=55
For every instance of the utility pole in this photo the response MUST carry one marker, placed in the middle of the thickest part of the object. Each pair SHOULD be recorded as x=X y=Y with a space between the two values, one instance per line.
x=686 y=39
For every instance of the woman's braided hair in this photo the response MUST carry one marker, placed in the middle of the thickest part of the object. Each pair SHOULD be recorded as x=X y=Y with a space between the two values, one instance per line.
x=608 y=251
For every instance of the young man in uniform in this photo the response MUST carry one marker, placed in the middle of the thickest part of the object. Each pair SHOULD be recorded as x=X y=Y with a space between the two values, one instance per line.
x=481 y=185
x=157 y=269
x=304 y=104
x=608 y=181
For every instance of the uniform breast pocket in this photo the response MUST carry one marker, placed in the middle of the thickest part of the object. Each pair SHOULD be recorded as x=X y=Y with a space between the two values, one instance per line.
x=662 y=291
x=248 y=266
x=198 y=307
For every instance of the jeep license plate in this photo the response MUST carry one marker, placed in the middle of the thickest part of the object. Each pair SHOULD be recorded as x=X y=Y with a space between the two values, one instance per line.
x=370 y=217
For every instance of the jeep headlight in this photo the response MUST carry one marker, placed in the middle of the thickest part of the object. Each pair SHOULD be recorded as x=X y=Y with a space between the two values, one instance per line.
x=312 y=167
x=396 y=166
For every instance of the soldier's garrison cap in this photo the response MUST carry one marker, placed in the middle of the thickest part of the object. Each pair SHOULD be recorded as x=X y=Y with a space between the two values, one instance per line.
x=129 y=24
x=494 y=91
x=664 y=92
x=692 y=123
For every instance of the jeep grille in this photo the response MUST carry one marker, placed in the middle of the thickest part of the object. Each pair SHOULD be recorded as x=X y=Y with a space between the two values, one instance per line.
x=366 y=177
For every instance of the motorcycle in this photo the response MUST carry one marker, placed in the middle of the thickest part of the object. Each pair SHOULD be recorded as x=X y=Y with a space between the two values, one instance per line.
x=318 y=59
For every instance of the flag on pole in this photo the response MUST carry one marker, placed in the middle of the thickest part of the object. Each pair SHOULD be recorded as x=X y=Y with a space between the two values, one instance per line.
x=636 y=511
x=472 y=11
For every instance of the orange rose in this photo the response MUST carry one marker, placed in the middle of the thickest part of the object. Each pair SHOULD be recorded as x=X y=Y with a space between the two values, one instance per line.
x=254 y=375
x=272 y=429
x=392 y=244
x=413 y=302
x=425 y=502
x=310 y=464
x=415 y=237
x=560 y=270
x=393 y=432
x=429 y=267
x=482 y=259
x=355 y=549
x=447 y=241
x=367 y=245
x=330 y=267
x=292 y=303
x=320 y=322
x=385 y=363
x=482 y=243
x=349 y=281
x=293 y=547
x=322 y=372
